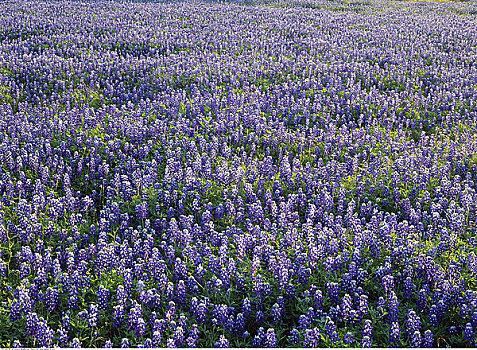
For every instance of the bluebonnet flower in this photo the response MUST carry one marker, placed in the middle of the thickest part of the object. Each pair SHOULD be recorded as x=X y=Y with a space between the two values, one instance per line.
x=239 y=324
x=191 y=340
x=409 y=288
x=368 y=328
x=32 y=320
x=474 y=319
x=433 y=320
x=147 y=344
x=221 y=314
x=428 y=341
x=140 y=327
x=52 y=297
x=179 y=336
x=276 y=313
x=20 y=305
x=24 y=270
x=93 y=315
x=416 y=339
x=260 y=316
x=333 y=291
x=318 y=299
x=66 y=322
x=366 y=342
x=142 y=211
x=394 y=333
x=134 y=315
x=181 y=293
x=17 y=344
x=156 y=338
x=388 y=283
x=170 y=342
x=312 y=338
x=348 y=338
x=413 y=323
x=103 y=296
x=118 y=315
x=294 y=337
x=381 y=305
x=331 y=329
x=304 y=322
x=258 y=339
x=347 y=307
x=270 y=339
x=182 y=321
x=125 y=343
x=422 y=299
x=108 y=344
x=62 y=337
x=362 y=308
x=121 y=295
x=222 y=342
x=201 y=312
x=469 y=335
x=75 y=343
x=393 y=307
x=38 y=327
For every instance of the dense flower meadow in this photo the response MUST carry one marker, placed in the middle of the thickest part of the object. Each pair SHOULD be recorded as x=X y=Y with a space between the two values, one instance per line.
x=296 y=173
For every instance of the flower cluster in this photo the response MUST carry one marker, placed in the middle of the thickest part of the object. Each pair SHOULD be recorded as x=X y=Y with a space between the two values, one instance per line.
x=239 y=173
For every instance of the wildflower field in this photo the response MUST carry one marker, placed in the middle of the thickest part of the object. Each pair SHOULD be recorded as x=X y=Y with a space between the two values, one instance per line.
x=289 y=173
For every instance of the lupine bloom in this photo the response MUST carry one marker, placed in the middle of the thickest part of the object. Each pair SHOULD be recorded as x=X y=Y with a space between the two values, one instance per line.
x=147 y=344
x=469 y=333
x=147 y=167
x=413 y=323
x=368 y=329
x=294 y=337
x=393 y=308
x=304 y=322
x=416 y=340
x=409 y=287
x=348 y=338
x=366 y=342
x=118 y=315
x=422 y=299
x=93 y=315
x=124 y=343
x=312 y=338
x=140 y=327
x=276 y=313
x=362 y=307
x=191 y=340
x=239 y=323
x=103 y=296
x=259 y=316
x=428 y=341
x=318 y=298
x=270 y=339
x=75 y=343
x=333 y=291
x=330 y=329
x=108 y=344
x=347 y=307
x=222 y=342
x=21 y=305
x=388 y=283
